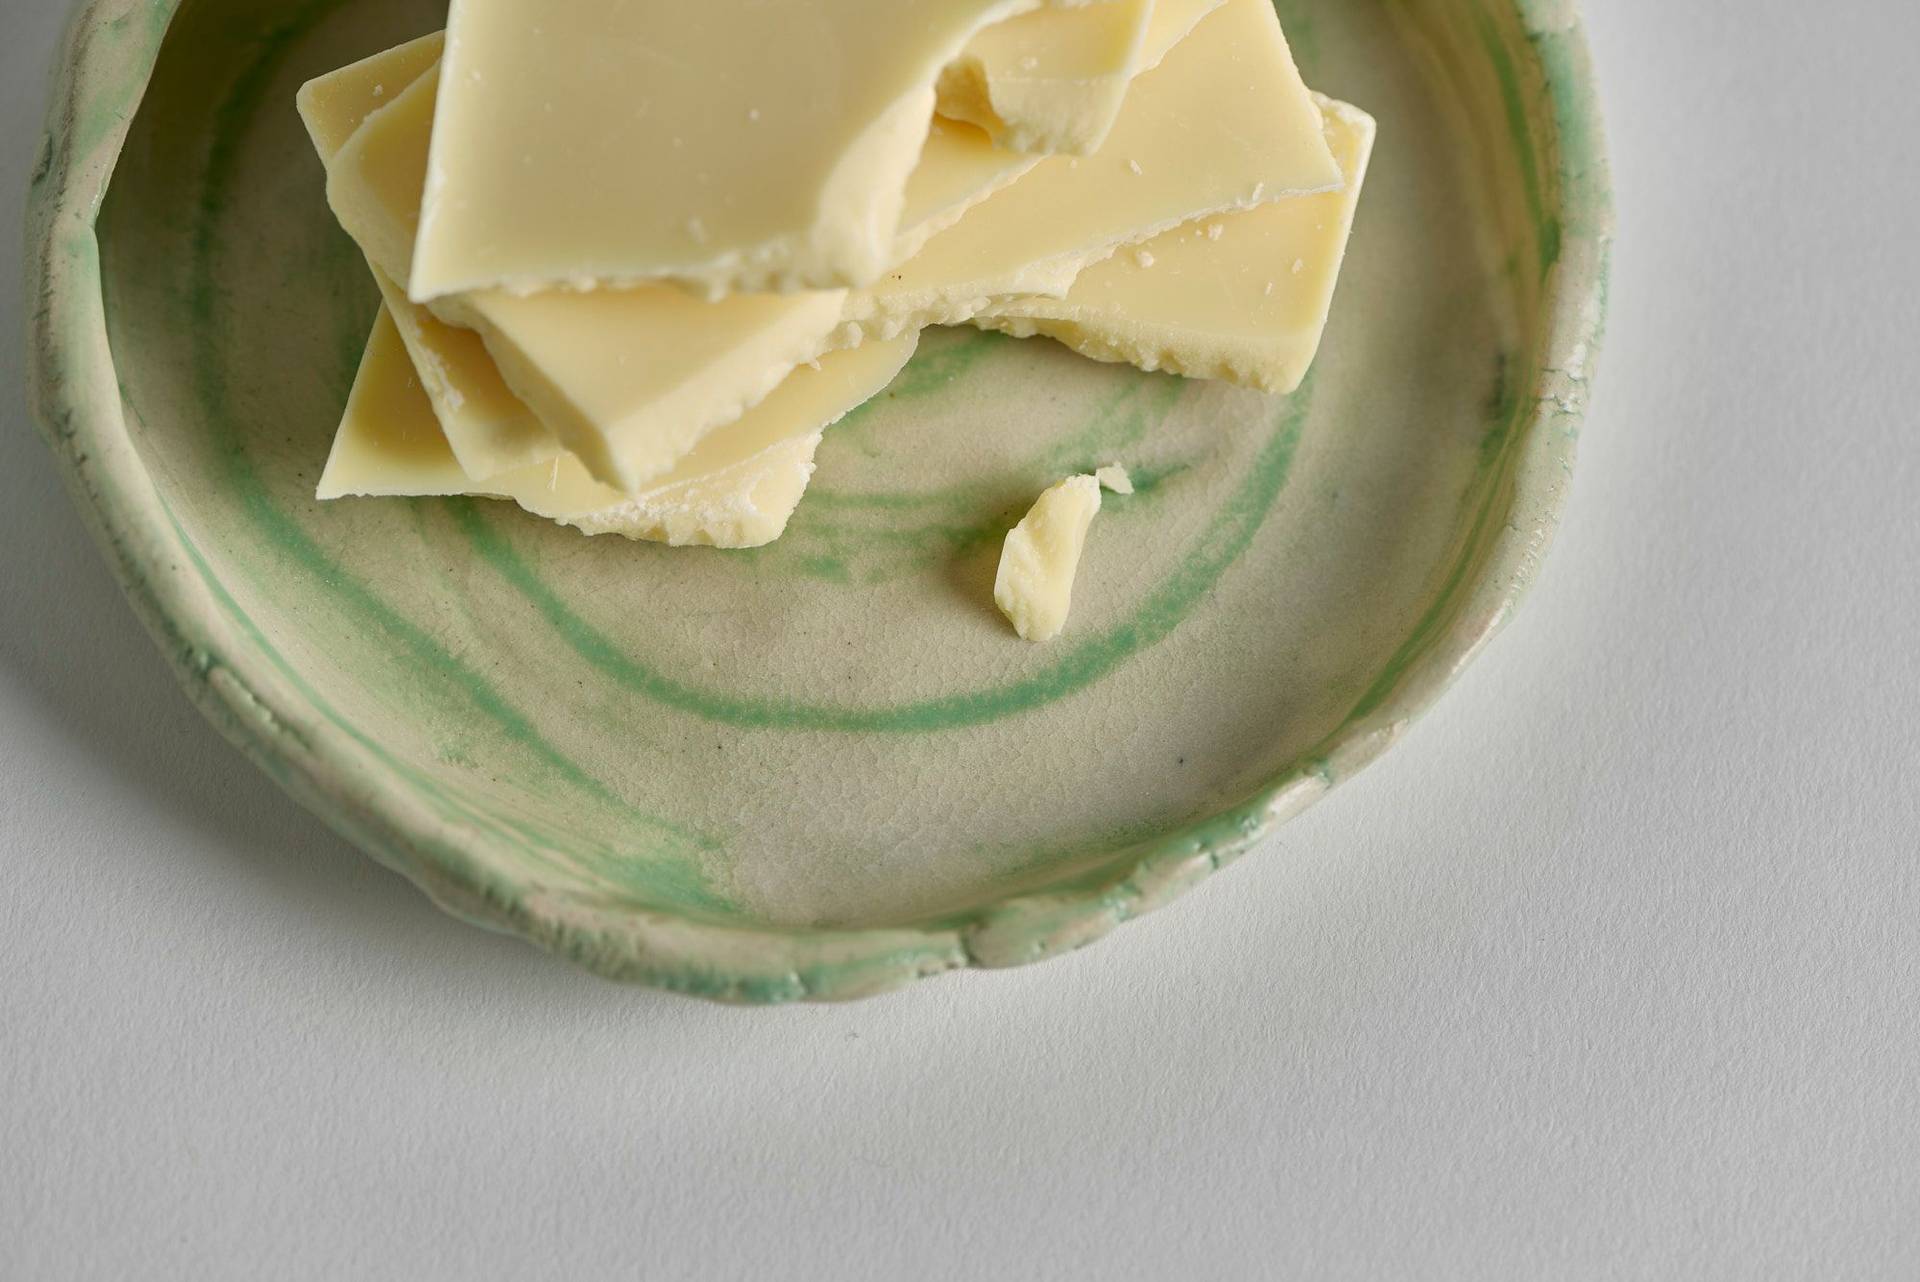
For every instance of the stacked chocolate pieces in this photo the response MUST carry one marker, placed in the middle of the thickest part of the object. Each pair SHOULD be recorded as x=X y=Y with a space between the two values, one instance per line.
x=635 y=257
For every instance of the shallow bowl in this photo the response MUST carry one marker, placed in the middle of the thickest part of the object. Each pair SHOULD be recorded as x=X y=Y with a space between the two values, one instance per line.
x=823 y=768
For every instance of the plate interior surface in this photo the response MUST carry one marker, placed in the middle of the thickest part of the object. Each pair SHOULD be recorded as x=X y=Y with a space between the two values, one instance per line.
x=821 y=767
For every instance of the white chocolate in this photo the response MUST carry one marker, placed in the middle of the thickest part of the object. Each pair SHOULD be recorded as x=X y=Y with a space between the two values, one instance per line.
x=1223 y=123
x=730 y=144
x=489 y=429
x=1050 y=81
x=737 y=489
x=630 y=380
x=389 y=442
x=627 y=380
x=1041 y=557
x=962 y=164
x=1243 y=298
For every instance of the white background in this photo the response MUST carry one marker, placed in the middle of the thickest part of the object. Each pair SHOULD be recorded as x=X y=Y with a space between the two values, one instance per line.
x=1608 y=971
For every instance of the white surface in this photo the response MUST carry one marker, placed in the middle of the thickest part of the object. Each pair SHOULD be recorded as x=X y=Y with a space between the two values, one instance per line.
x=1609 y=971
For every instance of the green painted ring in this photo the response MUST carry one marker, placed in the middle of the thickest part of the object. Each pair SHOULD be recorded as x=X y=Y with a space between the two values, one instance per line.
x=1544 y=78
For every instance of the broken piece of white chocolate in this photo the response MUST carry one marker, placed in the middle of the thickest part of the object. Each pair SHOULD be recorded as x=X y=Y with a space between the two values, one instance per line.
x=1243 y=298
x=629 y=380
x=1038 y=562
x=727 y=144
x=1050 y=81
x=737 y=489
x=1223 y=123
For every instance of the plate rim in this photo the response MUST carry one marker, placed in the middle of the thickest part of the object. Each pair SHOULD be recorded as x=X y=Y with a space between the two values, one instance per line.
x=109 y=50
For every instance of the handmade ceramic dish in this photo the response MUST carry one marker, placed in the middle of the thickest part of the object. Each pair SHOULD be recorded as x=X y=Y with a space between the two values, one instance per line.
x=823 y=768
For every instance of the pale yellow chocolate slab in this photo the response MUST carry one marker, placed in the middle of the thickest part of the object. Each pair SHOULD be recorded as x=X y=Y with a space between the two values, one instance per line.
x=740 y=485
x=735 y=145
x=1223 y=123
x=488 y=428
x=333 y=106
x=399 y=432
x=1050 y=81
x=959 y=167
x=628 y=380
x=1243 y=297
x=961 y=164
x=1171 y=22
x=389 y=442
x=737 y=489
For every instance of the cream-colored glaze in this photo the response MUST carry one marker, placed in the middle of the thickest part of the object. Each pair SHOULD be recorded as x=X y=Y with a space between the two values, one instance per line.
x=1223 y=123
x=1050 y=81
x=1243 y=298
x=736 y=490
x=729 y=144
x=1038 y=562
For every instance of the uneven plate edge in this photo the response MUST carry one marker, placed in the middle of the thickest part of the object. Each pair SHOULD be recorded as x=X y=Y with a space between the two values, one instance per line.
x=109 y=51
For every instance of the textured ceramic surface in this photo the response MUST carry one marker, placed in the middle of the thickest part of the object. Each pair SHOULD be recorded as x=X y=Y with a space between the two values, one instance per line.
x=823 y=768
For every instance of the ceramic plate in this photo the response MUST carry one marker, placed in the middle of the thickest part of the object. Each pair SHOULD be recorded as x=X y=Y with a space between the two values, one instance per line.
x=823 y=768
